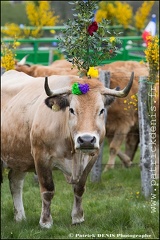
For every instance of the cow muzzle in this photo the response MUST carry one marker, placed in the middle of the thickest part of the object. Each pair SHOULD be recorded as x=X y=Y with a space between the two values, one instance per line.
x=87 y=143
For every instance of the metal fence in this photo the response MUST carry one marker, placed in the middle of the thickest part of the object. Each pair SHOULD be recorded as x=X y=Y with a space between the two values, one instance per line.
x=45 y=50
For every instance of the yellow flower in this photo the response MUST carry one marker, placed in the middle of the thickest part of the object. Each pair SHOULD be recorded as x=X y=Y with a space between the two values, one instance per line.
x=133 y=97
x=92 y=72
x=112 y=39
x=125 y=101
x=17 y=44
x=52 y=31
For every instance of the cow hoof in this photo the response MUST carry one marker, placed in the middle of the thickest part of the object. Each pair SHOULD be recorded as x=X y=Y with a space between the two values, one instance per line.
x=76 y=221
x=128 y=164
x=46 y=224
x=108 y=167
x=19 y=217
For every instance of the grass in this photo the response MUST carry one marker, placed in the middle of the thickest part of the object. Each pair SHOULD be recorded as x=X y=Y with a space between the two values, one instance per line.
x=114 y=208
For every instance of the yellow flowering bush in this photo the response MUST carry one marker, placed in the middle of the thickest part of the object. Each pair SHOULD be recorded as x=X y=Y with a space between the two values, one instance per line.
x=12 y=30
x=36 y=32
x=39 y=14
x=142 y=14
x=117 y=12
x=105 y=11
x=123 y=13
x=26 y=32
x=152 y=57
x=100 y=14
x=8 y=55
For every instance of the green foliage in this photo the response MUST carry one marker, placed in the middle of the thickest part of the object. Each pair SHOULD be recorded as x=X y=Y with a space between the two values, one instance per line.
x=85 y=48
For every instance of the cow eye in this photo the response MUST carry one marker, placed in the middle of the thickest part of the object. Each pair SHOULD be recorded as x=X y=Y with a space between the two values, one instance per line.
x=102 y=111
x=71 y=111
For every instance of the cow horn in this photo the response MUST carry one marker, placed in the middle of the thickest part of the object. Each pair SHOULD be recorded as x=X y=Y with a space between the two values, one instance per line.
x=23 y=60
x=65 y=90
x=122 y=93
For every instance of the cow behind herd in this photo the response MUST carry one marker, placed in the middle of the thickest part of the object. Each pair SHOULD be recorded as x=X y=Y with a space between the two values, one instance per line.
x=64 y=129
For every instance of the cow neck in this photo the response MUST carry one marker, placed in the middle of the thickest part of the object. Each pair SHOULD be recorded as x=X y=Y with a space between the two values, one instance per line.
x=72 y=145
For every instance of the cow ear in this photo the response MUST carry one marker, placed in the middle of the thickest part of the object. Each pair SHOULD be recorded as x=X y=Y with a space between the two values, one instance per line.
x=57 y=103
x=109 y=100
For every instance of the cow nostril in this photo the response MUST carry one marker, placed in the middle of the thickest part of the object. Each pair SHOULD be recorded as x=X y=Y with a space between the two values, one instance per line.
x=93 y=140
x=80 y=140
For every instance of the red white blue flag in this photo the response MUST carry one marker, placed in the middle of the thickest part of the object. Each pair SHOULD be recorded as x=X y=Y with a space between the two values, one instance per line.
x=150 y=29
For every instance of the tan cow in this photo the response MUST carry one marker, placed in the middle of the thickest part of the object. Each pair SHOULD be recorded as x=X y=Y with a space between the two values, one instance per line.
x=63 y=130
x=59 y=67
x=62 y=63
x=125 y=127
x=122 y=125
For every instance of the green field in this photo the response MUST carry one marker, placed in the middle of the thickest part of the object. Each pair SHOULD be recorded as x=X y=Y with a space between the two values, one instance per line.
x=114 y=208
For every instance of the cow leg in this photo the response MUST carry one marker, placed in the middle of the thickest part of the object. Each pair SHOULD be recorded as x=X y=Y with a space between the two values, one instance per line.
x=124 y=158
x=113 y=150
x=77 y=211
x=47 y=192
x=131 y=144
x=16 y=180
x=79 y=188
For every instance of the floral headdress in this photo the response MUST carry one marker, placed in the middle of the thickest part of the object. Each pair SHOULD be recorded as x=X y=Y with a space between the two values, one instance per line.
x=85 y=42
x=78 y=88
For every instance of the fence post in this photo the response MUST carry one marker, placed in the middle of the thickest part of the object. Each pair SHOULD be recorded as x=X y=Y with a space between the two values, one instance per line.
x=95 y=175
x=50 y=60
x=145 y=138
x=35 y=45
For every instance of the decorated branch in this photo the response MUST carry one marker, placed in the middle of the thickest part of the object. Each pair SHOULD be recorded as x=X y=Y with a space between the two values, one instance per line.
x=85 y=42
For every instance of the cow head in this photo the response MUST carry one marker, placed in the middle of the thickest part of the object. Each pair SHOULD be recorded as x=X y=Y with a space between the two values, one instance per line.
x=87 y=108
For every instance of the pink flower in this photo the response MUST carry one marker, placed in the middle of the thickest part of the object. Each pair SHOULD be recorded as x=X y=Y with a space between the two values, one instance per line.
x=92 y=28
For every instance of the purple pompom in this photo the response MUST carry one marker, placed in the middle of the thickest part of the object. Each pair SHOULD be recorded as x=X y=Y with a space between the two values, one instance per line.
x=84 y=88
